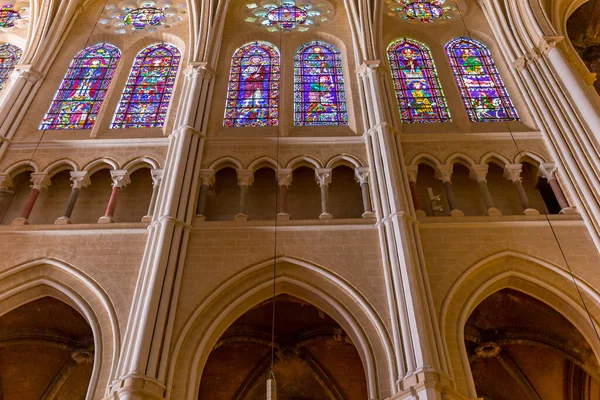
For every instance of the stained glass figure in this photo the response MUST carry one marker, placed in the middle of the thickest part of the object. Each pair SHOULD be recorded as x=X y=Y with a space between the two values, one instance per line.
x=319 y=95
x=80 y=95
x=8 y=16
x=253 y=92
x=146 y=96
x=481 y=87
x=418 y=90
x=9 y=57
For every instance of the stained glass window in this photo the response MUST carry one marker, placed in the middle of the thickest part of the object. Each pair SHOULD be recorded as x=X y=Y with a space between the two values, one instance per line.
x=80 y=95
x=319 y=96
x=146 y=96
x=481 y=87
x=8 y=16
x=418 y=90
x=253 y=92
x=9 y=57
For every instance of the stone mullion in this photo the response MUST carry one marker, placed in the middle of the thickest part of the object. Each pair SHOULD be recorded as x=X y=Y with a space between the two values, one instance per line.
x=409 y=285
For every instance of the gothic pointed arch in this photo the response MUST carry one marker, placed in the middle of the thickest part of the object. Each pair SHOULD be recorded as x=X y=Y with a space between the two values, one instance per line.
x=481 y=87
x=418 y=89
x=83 y=89
x=319 y=93
x=147 y=94
x=9 y=57
x=253 y=90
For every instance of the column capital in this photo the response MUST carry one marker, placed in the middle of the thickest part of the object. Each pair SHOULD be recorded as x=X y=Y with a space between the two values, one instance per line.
x=323 y=176
x=479 y=172
x=201 y=68
x=444 y=172
x=207 y=177
x=547 y=43
x=412 y=172
x=6 y=182
x=284 y=177
x=27 y=72
x=245 y=177
x=368 y=66
x=362 y=174
x=40 y=180
x=120 y=178
x=80 y=179
x=187 y=129
x=512 y=172
x=156 y=175
x=548 y=170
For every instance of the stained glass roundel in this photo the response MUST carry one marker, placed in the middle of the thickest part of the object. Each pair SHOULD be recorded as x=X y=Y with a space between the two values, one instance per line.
x=480 y=84
x=8 y=16
x=418 y=89
x=253 y=92
x=9 y=57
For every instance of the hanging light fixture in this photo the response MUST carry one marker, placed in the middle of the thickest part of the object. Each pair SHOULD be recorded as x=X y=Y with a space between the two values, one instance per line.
x=426 y=11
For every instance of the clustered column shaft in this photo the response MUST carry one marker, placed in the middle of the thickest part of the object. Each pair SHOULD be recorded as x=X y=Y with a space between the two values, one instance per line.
x=284 y=180
x=512 y=172
x=39 y=181
x=444 y=173
x=80 y=180
x=479 y=174
x=323 y=176
x=120 y=179
x=245 y=179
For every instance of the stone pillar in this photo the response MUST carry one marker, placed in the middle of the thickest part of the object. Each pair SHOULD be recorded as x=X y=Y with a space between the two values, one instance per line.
x=362 y=177
x=157 y=175
x=120 y=179
x=512 y=172
x=444 y=173
x=479 y=175
x=245 y=179
x=411 y=173
x=548 y=171
x=284 y=180
x=39 y=181
x=323 y=176
x=207 y=179
x=80 y=179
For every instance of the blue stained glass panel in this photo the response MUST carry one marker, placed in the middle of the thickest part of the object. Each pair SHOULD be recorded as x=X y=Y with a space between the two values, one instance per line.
x=9 y=57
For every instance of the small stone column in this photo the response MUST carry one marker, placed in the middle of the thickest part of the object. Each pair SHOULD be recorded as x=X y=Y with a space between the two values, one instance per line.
x=245 y=180
x=284 y=180
x=444 y=173
x=156 y=175
x=548 y=171
x=479 y=175
x=512 y=172
x=80 y=180
x=39 y=181
x=207 y=179
x=120 y=179
x=362 y=177
x=323 y=176
x=412 y=172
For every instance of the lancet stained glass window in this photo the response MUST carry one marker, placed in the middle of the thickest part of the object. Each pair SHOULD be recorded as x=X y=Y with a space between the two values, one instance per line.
x=481 y=87
x=146 y=96
x=80 y=95
x=319 y=96
x=418 y=90
x=253 y=92
x=9 y=57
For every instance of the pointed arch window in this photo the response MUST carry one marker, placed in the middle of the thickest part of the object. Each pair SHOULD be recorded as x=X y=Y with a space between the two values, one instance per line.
x=481 y=87
x=148 y=90
x=83 y=89
x=418 y=89
x=9 y=57
x=253 y=92
x=319 y=95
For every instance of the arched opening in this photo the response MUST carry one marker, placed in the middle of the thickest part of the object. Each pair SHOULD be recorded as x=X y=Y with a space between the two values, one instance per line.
x=345 y=199
x=529 y=176
x=304 y=197
x=466 y=192
x=14 y=202
x=52 y=200
x=426 y=180
x=520 y=348
x=92 y=200
x=46 y=352
x=506 y=198
x=583 y=28
x=261 y=196
x=134 y=199
x=223 y=199
x=313 y=356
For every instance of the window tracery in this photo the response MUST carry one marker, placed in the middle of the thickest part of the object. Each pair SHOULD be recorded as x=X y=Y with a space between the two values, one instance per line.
x=9 y=57
x=83 y=89
x=253 y=91
x=418 y=89
x=319 y=95
x=480 y=84
x=148 y=90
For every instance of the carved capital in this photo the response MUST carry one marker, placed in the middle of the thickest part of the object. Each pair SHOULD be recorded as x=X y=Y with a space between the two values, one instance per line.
x=27 y=72
x=6 y=183
x=479 y=172
x=512 y=172
x=412 y=172
x=368 y=67
x=548 y=170
x=157 y=175
x=547 y=43
x=40 y=180
x=323 y=176
x=444 y=172
x=362 y=174
x=245 y=177
x=120 y=178
x=80 y=179
x=284 y=177
x=207 y=177
x=200 y=68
